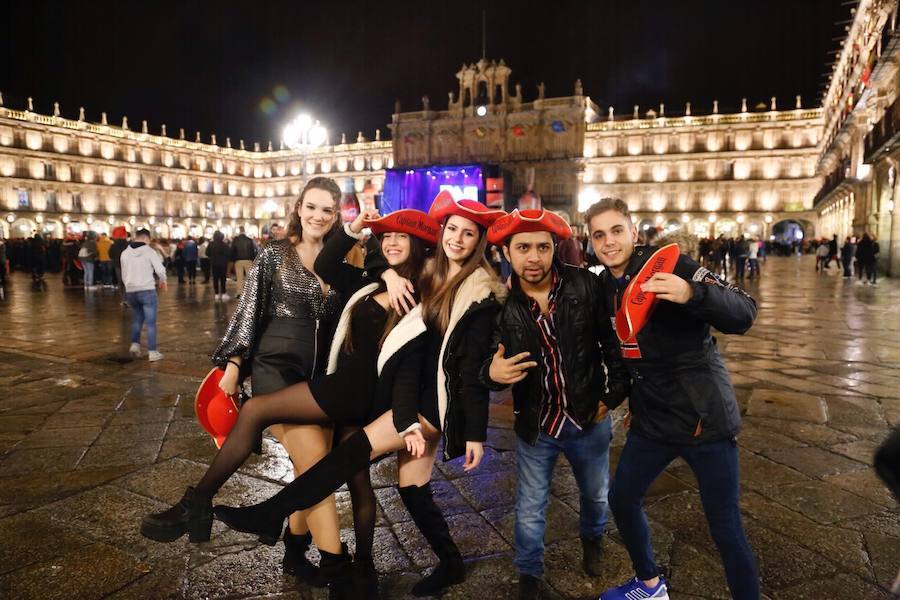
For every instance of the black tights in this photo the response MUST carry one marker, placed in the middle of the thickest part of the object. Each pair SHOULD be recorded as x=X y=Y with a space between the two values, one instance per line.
x=293 y=405
x=363 y=498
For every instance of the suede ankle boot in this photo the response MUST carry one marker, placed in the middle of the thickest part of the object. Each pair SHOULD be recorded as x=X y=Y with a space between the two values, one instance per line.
x=337 y=573
x=317 y=483
x=295 y=562
x=428 y=518
x=192 y=515
x=366 y=578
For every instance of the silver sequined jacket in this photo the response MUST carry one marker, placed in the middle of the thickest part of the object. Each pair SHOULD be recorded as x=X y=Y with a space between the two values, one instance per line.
x=278 y=285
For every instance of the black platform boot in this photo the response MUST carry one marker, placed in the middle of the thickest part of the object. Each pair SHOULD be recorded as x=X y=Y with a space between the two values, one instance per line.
x=295 y=562
x=192 y=515
x=337 y=573
x=321 y=480
x=428 y=518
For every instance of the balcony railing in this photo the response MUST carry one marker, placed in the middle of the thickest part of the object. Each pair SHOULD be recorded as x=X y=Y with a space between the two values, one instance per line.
x=832 y=181
x=884 y=134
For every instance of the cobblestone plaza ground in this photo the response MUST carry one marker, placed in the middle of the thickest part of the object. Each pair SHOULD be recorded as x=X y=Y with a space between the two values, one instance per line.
x=91 y=440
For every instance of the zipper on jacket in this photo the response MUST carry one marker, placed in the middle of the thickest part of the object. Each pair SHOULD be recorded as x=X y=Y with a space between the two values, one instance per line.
x=315 y=351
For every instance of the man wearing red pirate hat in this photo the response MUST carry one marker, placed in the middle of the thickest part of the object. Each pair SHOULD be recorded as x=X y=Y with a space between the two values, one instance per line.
x=554 y=344
x=682 y=403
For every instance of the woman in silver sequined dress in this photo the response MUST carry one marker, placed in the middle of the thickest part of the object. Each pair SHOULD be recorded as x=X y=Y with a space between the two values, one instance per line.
x=279 y=335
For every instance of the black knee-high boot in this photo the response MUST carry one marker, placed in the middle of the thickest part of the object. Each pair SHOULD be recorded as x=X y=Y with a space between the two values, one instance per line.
x=317 y=483
x=428 y=518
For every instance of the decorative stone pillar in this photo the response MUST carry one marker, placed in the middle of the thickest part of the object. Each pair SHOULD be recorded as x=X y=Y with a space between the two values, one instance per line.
x=893 y=244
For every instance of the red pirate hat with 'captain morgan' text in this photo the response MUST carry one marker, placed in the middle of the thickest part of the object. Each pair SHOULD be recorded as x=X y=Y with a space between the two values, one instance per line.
x=407 y=220
x=445 y=206
x=526 y=221
x=216 y=411
x=637 y=305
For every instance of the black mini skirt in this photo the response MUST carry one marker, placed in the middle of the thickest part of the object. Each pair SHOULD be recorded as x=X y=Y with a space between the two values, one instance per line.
x=286 y=354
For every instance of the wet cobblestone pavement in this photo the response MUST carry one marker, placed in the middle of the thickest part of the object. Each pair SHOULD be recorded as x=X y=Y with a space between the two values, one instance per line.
x=91 y=440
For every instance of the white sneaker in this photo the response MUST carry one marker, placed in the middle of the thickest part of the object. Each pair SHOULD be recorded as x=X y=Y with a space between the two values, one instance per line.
x=135 y=350
x=225 y=297
x=218 y=297
x=154 y=356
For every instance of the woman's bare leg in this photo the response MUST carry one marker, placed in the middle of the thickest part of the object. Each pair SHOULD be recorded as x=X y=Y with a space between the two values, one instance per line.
x=307 y=445
x=384 y=438
x=416 y=471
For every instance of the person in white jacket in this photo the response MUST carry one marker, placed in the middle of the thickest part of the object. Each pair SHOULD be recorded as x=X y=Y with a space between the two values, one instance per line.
x=142 y=272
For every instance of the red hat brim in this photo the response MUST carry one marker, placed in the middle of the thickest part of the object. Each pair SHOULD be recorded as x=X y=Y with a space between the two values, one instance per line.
x=526 y=221
x=216 y=411
x=637 y=305
x=445 y=206
x=407 y=220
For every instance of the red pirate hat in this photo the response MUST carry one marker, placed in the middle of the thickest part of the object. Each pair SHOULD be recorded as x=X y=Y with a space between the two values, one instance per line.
x=444 y=206
x=216 y=412
x=408 y=220
x=524 y=221
x=637 y=305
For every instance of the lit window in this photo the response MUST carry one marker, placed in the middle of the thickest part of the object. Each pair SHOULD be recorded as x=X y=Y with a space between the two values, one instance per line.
x=24 y=201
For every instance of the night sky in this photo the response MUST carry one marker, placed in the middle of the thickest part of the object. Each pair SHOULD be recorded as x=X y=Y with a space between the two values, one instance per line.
x=242 y=69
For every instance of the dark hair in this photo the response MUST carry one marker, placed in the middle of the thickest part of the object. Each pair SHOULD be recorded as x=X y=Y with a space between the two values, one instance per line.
x=294 y=228
x=142 y=232
x=218 y=236
x=410 y=269
x=605 y=204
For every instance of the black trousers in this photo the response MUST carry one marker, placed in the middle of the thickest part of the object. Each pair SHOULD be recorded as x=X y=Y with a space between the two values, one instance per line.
x=218 y=277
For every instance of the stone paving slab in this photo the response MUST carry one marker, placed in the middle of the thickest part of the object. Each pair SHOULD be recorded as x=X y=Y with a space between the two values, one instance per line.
x=91 y=439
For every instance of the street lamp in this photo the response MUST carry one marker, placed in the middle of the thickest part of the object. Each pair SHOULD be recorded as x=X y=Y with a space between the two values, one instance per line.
x=303 y=133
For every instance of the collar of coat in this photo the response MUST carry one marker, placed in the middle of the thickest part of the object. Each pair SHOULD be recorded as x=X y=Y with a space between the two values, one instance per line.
x=477 y=287
x=408 y=328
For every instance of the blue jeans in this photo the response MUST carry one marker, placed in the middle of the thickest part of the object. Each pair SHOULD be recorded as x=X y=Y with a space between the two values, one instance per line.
x=143 y=304
x=588 y=453
x=106 y=272
x=715 y=465
x=88 y=272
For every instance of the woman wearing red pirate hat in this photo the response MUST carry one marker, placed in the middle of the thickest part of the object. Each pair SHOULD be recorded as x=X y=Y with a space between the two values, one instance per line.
x=374 y=360
x=460 y=298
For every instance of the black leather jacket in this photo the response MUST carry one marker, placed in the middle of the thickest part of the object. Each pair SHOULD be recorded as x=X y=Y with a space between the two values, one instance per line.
x=590 y=351
x=681 y=392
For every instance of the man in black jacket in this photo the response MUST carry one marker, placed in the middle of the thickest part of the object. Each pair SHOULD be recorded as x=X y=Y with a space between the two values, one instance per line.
x=243 y=251
x=682 y=403
x=566 y=373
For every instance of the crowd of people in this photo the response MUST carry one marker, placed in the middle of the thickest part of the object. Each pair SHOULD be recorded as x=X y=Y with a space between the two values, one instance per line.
x=92 y=260
x=345 y=361
x=856 y=255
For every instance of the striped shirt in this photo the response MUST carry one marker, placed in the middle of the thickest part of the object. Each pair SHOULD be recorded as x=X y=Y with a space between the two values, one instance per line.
x=554 y=404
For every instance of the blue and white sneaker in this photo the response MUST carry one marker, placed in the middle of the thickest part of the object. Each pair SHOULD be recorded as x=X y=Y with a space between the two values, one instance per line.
x=636 y=590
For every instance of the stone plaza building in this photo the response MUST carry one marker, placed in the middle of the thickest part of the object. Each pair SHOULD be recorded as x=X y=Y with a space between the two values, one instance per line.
x=827 y=170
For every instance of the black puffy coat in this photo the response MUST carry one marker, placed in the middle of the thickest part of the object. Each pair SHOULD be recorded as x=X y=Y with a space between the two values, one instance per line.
x=681 y=392
x=590 y=351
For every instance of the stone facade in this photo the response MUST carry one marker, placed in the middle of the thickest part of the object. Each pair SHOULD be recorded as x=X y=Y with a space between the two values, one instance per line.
x=861 y=118
x=58 y=173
